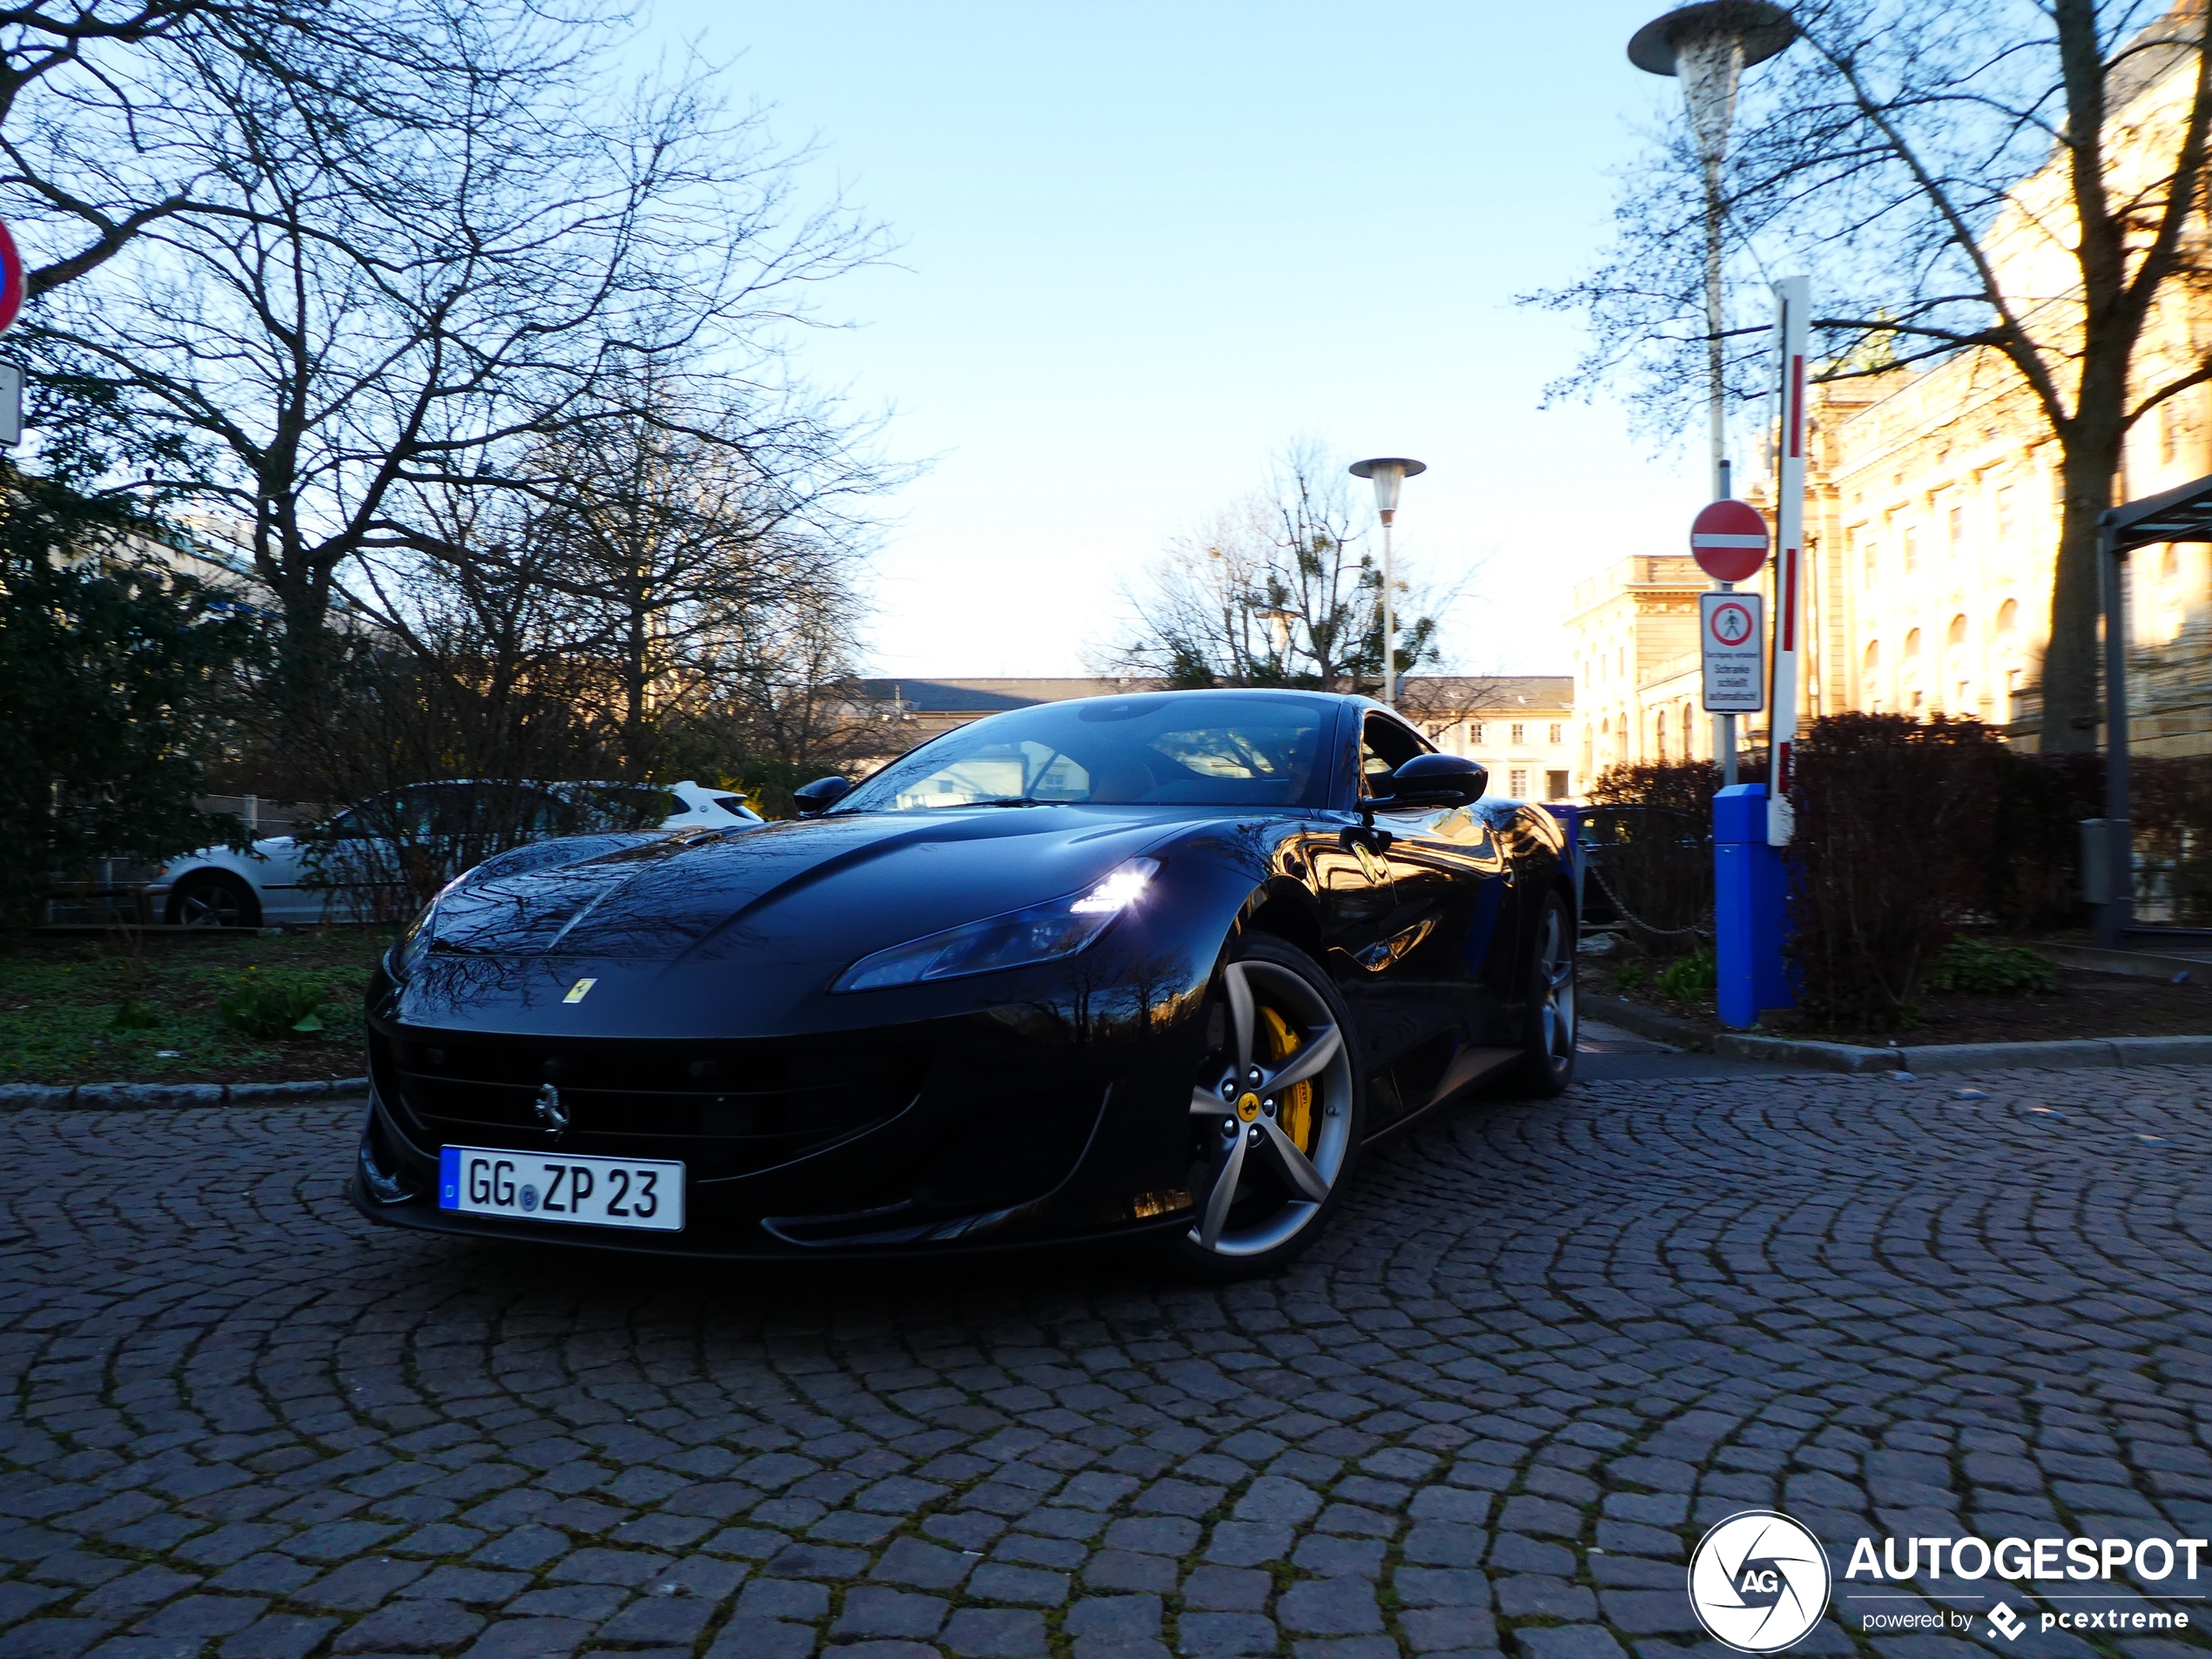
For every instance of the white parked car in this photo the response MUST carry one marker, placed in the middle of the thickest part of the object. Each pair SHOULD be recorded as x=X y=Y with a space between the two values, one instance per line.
x=288 y=879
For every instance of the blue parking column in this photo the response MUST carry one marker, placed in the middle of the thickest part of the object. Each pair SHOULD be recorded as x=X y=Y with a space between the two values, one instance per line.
x=1750 y=898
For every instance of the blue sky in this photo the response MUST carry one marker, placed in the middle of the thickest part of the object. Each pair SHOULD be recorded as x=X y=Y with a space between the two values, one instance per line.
x=1145 y=245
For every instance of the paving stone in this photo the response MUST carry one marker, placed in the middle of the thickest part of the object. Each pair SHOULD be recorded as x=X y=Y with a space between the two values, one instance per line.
x=1030 y=1586
x=1227 y=1589
x=870 y=1611
x=1567 y=1641
x=929 y=1567
x=279 y=1635
x=1329 y=1607
x=1211 y=1633
x=1609 y=1338
x=995 y=1633
x=411 y=1627
x=747 y=1637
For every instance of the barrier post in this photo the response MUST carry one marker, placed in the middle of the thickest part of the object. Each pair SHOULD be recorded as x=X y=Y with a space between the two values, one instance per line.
x=1751 y=900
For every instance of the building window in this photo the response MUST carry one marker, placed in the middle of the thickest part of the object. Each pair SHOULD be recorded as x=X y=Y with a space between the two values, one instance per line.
x=2005 y=514
x=2008 y=616
x=1517 y=738
x=1517 y=784
x=1873 y=563
x=1912 y=551
x=1660 y=734
x=1958 y=531
x=1555 y=785
x=1913 y=646
x=1474 y=731
x=1556 y=730
x=1958 y=634
x=1873 y=655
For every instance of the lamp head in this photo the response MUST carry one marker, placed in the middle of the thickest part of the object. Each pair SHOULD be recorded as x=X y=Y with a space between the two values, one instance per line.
x=1387 y=472
x=1760 y=28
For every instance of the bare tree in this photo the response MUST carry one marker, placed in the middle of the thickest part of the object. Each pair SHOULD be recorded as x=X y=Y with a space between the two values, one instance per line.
x=2024 y=179
x=400 y=311
x=1278 y=590
x=99 y=131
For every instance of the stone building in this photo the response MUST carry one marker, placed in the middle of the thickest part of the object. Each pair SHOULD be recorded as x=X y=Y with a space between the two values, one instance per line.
x=1932 y=517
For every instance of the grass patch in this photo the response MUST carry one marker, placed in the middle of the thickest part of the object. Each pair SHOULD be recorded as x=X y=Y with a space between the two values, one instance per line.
x=159 y=1009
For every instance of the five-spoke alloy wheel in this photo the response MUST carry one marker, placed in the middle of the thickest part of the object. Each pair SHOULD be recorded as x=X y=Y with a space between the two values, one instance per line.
x=1275 y=1114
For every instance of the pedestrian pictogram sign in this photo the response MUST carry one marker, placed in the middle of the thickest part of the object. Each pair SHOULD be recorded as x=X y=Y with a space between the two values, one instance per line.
x=1728 y=539
x=1732 y=631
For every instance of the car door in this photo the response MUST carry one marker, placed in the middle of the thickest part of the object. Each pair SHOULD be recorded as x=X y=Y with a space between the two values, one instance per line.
x=1443 y=957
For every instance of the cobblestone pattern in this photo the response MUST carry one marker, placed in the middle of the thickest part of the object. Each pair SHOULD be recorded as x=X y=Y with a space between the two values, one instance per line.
x=1544 y=1345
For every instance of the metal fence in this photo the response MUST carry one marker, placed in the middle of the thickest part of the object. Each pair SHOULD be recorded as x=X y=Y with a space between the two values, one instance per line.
x=1650 y=874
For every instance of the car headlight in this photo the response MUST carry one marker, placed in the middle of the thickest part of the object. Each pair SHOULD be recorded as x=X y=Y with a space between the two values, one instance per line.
x=1043 y=933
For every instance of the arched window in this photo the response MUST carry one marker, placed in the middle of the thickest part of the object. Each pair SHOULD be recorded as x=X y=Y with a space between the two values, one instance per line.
x=1873 y=655
x=1957 y=636
x=1660 y=732
x=1873 y=563
x=2008 y=616
x=1913 y=646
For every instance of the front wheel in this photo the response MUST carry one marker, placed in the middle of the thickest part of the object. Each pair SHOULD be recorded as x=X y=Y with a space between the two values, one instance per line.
x=1549 y=1030
x=1275 y=1115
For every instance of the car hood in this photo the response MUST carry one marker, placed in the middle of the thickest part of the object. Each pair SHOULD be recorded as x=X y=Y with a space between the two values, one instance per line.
x=796 y=896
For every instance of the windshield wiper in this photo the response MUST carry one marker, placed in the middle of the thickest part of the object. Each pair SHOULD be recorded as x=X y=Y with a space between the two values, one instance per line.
x=1016 y=800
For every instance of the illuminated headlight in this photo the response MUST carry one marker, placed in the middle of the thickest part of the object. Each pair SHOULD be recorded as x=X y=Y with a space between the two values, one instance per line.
x=1043 y=933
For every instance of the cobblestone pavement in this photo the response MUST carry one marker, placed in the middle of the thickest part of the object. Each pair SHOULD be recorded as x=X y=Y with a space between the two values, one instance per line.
x=1543 y=1346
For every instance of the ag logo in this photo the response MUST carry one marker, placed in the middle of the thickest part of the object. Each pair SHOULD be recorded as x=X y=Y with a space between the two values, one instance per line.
x=1758 y=1582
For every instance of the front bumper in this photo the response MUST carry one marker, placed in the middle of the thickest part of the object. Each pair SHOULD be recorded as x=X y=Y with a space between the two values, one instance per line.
x=979 y=1132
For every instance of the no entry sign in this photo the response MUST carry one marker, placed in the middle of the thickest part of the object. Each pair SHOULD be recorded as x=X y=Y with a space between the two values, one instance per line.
x=1728 y=540
x=10 y=280
x=1731 y=635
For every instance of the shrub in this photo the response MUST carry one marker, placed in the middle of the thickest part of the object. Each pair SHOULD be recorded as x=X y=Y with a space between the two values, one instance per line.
x=2001 y=970
x=1896 y=829
x=1690 y=977
x=267 y=1007
x=1631 y=976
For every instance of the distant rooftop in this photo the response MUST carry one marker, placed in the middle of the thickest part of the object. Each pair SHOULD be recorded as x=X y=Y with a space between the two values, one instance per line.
x=1432 y=692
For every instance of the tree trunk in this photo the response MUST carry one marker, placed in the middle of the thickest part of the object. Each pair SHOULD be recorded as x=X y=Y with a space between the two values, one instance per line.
x=2070 y=676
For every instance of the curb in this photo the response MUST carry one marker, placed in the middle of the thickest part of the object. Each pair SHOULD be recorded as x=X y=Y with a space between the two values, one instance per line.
x=1648 y=1022
x=2136 y=964
x=15 y=1097
x=2078 y=1054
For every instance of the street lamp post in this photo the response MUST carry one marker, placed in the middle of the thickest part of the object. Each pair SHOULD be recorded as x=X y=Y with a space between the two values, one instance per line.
x=1708 y=46
x=1388 y=472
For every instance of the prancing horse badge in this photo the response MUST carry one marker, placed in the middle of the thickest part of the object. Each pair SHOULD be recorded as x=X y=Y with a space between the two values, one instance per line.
x=578 y=991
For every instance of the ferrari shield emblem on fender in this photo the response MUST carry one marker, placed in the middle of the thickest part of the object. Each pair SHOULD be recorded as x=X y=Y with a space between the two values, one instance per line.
x=578 y=991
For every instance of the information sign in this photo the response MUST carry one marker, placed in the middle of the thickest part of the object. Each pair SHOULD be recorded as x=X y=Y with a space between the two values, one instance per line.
x=1732 y=632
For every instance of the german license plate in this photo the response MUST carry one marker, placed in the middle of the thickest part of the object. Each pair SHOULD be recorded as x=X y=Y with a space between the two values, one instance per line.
x=536 y=1186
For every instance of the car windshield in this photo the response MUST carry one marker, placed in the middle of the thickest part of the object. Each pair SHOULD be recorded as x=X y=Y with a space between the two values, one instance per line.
x=1197 y=748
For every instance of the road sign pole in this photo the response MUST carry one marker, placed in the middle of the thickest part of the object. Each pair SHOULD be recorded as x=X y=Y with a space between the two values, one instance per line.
x=1793 y=296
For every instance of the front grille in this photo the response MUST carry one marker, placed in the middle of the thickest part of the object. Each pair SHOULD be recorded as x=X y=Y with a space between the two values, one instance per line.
x=723 y=1109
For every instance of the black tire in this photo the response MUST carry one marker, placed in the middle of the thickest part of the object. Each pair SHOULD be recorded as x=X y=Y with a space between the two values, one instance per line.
x=1264 y=1217
x=1549 y=1026
x=210 y=899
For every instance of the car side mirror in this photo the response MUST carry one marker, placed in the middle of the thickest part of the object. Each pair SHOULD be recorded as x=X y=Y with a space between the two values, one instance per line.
x=816 y=797
x=1436 y=780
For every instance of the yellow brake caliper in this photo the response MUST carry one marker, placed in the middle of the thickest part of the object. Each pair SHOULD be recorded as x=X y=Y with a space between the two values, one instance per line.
x=1295 y=1110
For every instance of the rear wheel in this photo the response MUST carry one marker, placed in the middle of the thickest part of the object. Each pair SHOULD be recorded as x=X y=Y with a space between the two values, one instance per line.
x=210 y=899
x=1275 y=1115
x=1548 y=1032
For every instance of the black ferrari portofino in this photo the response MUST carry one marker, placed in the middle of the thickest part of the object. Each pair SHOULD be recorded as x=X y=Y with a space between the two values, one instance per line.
x=1153 y=965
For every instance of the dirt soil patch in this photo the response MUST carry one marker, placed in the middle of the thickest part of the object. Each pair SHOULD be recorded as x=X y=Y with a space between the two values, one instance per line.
x=2085 y=1005
x=143 y=1007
